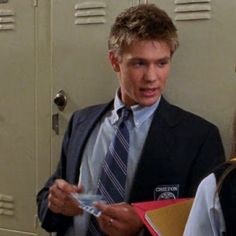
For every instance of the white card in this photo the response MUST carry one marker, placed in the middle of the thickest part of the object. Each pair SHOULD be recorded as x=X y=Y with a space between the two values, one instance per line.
x=86 y=202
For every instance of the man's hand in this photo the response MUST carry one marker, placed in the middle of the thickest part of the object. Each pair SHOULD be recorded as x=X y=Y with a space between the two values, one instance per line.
x=119 y=219
x=60 y=201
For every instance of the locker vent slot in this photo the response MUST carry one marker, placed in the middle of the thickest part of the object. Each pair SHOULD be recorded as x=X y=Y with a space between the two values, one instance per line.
x=6 y=205
x=3 y=1
x=192 y=10
x=90 y=13
x=191 y=1
x=7 y=20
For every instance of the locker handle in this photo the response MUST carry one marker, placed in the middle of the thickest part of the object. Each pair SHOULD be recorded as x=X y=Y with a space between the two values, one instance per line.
x=55 y=123
x=60 y=100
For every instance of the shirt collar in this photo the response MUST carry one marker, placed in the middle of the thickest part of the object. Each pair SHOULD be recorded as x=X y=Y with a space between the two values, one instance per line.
x=140 y=113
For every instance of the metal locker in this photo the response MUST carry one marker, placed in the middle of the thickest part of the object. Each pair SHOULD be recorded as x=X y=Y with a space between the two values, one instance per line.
x=42 y=53
x=203 y=78
x=52 y=52
x=80 y=65
x=17 y=117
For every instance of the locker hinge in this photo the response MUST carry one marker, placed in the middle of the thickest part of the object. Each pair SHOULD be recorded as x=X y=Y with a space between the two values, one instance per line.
x=35 y=2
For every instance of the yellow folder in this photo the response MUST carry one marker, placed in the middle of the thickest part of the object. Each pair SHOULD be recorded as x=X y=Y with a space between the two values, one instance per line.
x=169 y=220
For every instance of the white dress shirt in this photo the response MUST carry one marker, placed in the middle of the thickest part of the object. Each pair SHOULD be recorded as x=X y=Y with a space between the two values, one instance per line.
x=96 y=148
x=206 y=217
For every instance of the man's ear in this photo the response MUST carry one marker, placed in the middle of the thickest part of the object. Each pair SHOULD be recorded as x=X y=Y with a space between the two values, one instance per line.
x=114 y=60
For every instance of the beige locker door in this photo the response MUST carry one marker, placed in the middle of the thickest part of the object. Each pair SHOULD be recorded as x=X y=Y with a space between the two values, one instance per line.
x=79 y=56
x=17 y=118
x=203 y=78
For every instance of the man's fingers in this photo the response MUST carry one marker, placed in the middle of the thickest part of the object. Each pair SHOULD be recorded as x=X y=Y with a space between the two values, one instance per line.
x=115 y=210
x=101 y=206
x=65 y=186
x=60 y=200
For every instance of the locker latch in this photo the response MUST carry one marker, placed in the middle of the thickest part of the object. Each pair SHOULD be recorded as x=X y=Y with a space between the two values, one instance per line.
x=55 y=123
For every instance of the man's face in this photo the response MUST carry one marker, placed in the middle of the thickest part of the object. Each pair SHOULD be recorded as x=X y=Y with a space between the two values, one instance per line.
x=143 y=69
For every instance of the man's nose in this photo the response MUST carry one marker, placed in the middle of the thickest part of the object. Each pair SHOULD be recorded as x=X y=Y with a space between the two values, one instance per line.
x=151 y=73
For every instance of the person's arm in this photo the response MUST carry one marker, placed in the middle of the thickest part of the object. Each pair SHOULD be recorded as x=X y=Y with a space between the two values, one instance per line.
x=210 y=155
x=57 y=206
x=60 y=200
x=206 y=217
x=50 y=220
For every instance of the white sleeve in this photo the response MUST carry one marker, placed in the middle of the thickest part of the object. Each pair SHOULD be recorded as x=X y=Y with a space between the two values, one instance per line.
x=206 y=217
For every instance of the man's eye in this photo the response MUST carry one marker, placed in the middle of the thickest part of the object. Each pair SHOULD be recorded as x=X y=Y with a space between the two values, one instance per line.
x=138 y=63
x=163 y=63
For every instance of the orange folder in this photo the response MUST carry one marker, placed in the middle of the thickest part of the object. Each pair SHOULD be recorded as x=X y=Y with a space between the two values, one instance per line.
x=164 y=217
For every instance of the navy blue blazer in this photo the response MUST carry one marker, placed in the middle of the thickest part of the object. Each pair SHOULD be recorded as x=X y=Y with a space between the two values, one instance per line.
x=180 y=149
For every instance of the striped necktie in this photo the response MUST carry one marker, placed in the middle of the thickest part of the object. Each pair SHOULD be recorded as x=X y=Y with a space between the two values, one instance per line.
x=112 y=182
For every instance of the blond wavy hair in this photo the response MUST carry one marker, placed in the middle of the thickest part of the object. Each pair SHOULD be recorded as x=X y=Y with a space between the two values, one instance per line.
x=142 y=22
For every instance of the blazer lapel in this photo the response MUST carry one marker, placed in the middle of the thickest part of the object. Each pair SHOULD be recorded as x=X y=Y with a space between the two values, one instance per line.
x=156 y=154
x=84 y=127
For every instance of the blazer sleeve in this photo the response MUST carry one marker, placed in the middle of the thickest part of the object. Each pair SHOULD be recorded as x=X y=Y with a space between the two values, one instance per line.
x=210 y=155
x=79 y=128
x=50 y=221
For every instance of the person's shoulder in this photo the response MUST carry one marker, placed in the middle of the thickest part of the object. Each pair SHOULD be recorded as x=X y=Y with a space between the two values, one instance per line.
x=88 y=115
x=91 y=111
x=228 y=167
x=187 y=115
x=176 y=114
x=209 y=180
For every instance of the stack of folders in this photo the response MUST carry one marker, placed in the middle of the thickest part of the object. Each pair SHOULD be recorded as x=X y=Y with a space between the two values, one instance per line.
x=165 y=217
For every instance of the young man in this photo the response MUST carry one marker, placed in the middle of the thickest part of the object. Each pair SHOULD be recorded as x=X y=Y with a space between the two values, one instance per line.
x=169 y=149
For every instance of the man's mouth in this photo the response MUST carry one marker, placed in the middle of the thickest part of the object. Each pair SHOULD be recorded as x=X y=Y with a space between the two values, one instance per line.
x=148 y=91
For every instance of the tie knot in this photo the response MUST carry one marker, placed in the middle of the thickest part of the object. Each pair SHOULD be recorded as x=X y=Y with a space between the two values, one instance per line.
x=124 y=113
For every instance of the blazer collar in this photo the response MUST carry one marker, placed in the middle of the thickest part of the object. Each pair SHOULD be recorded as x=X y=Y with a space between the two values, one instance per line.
x=168 y=113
